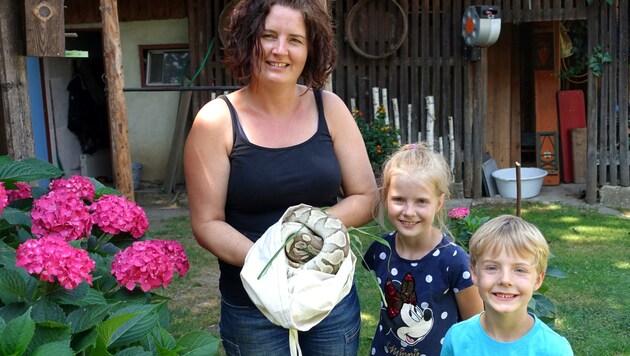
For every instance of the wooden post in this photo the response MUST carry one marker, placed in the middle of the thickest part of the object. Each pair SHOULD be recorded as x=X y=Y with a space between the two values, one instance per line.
x=112 y=56
x=410 y=137
x=518 y=188
x=328 y=85
x=430 y=122
x=375 y=101
x=469 y=115
x=592 y=105
x=396 y=118
x=451 y=146
x=385 y=105
x=480 y=111
x=15 y=108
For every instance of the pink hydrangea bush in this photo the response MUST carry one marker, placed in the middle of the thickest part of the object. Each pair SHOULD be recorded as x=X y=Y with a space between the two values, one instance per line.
x=52 y=258
x=458 y=213
x=150 y=264
x=462 y=225
x=4 y=198
x=67 y=264
x=115 y=214
x=78 y=185
x=23 y=192
x=61 y=213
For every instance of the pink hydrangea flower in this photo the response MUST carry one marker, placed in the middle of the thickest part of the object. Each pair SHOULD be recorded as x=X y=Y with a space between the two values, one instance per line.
x=76 y=184
x=4 y=198
x=458 y=213
x=61 y=214
x=53 y=258
x=149 y=263
x=115 y=214
x=23 y=192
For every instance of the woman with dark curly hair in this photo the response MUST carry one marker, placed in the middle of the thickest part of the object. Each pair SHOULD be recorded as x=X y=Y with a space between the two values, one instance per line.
x=277 y=142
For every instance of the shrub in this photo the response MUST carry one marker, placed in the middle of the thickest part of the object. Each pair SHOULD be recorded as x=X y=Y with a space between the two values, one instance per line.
x=380 y=139
x=462 y=225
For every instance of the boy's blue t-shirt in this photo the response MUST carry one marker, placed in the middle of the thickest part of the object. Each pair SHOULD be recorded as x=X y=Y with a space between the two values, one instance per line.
x=420 y=295
x=469 y=338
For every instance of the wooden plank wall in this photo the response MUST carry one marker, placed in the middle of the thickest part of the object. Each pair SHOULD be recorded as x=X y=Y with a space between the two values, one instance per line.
x=608 y=98
x=517 y=11
x=205 y=43
x=429 y=62
x=87 y=11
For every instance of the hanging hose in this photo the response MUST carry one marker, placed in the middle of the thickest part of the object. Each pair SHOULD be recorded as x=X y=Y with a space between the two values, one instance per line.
x=203 y=63
x=577 y=78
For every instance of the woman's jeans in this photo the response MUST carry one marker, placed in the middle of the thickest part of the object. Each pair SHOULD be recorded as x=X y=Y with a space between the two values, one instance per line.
x=246 y=331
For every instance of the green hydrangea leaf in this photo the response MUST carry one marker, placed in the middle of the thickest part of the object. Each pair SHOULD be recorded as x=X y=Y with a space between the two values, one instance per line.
x=12 y=286
x=59 y=348
x=17 y=334
x=86 y=317
x=28 y=169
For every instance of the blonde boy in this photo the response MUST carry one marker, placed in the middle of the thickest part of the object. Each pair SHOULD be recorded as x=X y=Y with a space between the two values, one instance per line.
x=508 y=258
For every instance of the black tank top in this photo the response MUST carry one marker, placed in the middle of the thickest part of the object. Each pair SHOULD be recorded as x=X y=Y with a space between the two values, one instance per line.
x=264 y=182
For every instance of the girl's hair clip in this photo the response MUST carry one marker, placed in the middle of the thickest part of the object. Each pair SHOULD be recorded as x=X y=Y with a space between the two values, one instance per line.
x=410 y=146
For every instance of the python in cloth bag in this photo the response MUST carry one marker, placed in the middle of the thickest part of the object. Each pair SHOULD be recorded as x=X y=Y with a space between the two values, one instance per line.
x=302 y=285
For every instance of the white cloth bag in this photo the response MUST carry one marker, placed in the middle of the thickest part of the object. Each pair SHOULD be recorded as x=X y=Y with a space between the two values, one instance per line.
x=298 y=302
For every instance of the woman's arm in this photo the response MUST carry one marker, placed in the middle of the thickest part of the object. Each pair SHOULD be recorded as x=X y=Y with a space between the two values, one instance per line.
x=207 y=170
x=357 y=177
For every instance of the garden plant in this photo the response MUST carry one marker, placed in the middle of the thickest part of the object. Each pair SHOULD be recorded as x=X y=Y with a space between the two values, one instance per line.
x=77 y=273
x=380 y=138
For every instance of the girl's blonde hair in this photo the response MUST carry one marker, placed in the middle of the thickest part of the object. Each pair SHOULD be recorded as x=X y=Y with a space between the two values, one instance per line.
x=415 y=159
x=512 y=234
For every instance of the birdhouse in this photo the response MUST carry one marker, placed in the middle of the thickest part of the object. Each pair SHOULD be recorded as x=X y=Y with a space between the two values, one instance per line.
x=45 y=32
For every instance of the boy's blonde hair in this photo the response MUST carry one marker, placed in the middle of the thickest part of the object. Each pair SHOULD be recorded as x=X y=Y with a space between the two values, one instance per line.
x=415 y=159
x=512 y=234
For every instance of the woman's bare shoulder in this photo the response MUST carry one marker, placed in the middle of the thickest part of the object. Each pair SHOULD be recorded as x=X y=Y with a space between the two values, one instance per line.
x=338 y=115
x=213 y=112
x=212 y=126
x=331 y=98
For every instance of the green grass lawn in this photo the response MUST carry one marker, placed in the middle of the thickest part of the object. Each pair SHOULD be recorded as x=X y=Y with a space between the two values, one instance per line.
x=593 y=302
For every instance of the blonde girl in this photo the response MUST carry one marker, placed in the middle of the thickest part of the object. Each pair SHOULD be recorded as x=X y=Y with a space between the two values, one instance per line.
x=425 y=277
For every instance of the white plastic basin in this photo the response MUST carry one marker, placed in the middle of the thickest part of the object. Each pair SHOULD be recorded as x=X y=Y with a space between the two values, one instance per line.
x=531 y=182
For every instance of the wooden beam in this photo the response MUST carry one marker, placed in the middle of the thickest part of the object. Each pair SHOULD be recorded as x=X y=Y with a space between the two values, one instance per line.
x=119 y=136
x=328 y=85
x=174 y=167
x=591 y=116
x=468 y=119
x=16 y=139
x=480 y=103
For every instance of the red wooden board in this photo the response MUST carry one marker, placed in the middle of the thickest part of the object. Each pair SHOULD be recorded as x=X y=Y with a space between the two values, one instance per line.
x=545 y=90
x=572 y=115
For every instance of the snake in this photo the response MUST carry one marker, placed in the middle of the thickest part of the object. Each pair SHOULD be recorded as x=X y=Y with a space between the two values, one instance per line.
x=316 y=240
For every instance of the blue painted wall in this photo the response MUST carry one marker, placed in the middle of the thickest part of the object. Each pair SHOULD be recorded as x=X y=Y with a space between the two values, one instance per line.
x=37 y=107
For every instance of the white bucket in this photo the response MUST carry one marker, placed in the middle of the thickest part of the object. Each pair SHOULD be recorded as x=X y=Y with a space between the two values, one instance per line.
x=531 y=182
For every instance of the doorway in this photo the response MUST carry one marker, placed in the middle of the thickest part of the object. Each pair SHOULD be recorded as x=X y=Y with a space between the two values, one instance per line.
x=77 y=115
